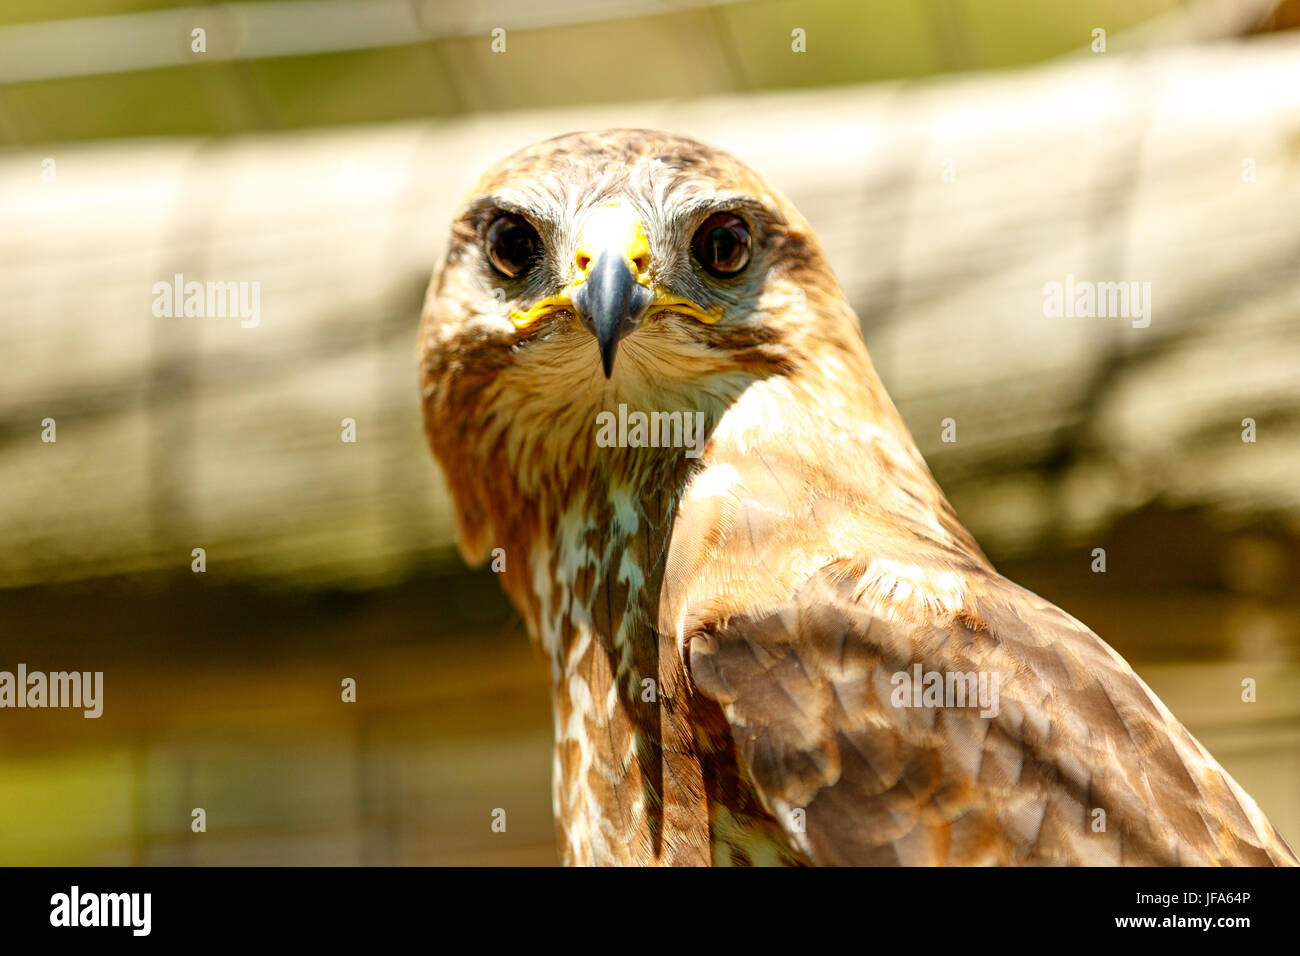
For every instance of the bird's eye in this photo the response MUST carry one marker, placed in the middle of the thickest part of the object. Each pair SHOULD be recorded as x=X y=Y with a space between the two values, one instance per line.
x=512 y=244
x=721 y=245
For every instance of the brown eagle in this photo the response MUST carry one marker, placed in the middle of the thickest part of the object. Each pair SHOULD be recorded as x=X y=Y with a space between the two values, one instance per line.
x=770 y=641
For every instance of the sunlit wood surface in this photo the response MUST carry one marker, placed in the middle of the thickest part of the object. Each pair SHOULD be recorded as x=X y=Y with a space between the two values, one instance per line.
x=182 y=433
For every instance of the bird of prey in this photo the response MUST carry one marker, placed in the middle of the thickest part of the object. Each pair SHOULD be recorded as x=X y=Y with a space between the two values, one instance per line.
x=769 y=639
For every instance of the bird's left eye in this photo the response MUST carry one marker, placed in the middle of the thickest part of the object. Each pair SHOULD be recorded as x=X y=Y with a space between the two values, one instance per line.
x=512 y=244
x=721 y=245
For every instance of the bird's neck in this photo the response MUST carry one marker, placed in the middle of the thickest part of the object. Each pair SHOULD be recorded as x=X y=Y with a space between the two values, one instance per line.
x=591 y=599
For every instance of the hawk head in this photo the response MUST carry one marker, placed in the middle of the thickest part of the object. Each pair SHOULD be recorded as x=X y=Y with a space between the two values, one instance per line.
x=597 y=269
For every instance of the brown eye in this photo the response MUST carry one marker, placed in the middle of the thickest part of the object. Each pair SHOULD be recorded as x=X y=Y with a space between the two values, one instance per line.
x=512 y=244
x=721 y=245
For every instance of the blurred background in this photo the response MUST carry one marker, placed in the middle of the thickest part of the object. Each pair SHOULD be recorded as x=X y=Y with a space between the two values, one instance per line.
x=955 y=156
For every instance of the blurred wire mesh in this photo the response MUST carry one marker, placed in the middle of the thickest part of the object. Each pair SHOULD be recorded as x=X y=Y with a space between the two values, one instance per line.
x=945 y=204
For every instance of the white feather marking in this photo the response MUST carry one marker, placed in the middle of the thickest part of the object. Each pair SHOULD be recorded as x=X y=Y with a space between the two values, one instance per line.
x=714 y=481
x=906 y=590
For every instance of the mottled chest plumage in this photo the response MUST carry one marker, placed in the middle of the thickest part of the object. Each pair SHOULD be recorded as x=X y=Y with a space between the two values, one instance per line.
x=637 y=778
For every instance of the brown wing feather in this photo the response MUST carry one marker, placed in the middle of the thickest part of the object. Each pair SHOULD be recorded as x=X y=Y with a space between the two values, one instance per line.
x=788 y=625
x=807 y=693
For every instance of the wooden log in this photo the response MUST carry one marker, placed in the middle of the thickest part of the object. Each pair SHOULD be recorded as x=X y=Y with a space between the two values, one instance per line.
x=946 y=208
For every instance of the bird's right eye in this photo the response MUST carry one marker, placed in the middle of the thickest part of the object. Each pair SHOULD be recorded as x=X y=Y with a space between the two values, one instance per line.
x=512 y=244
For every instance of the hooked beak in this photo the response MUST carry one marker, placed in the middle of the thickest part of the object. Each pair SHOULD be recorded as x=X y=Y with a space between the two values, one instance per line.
x=610 y=303
x=612 y=293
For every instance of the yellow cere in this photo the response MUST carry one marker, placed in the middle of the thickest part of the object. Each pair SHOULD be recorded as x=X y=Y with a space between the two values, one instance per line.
x=613 y=228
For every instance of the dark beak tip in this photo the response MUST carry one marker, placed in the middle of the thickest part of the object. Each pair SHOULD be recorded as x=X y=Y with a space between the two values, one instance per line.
x=610 y=304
